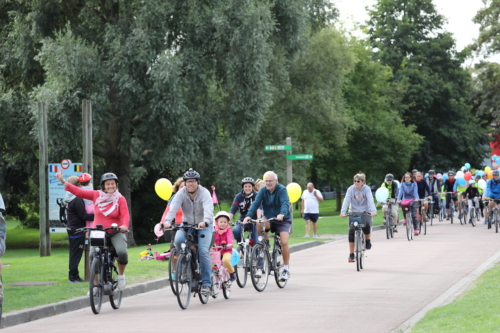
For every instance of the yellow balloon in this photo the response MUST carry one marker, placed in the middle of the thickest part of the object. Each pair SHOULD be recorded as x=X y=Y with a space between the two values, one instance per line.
x=294 y=192
x=487 y=169
x=264 y=177
x=163 y=188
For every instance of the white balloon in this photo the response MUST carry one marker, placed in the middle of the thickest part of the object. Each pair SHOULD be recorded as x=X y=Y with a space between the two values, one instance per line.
x=460 y=174
x=482 y=184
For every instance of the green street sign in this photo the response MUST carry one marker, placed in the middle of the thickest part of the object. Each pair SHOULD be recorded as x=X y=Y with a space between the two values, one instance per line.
x=279 y=147
x=300 y=157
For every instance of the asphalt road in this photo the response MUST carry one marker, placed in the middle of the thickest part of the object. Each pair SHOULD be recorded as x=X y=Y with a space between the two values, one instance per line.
x=325 y=292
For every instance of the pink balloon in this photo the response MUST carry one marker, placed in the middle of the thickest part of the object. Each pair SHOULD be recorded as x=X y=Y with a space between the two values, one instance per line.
x=468 y=175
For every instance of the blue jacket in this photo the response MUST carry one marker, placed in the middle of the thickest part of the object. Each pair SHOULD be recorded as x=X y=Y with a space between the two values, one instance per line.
x=408 y=192
x=242 y=203
x=493 y=189
x=423 y=189
x=273 y=204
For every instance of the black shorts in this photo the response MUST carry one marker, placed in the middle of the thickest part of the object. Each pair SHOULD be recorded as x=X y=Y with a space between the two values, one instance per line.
x=311 y=217
x=281 y=226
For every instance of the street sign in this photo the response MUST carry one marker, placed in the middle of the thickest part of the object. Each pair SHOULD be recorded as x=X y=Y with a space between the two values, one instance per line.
x=279 y=147
x=65 y=163
x=300 y=157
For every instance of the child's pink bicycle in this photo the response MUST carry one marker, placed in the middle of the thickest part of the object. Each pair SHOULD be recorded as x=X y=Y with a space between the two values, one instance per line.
x=220 y=276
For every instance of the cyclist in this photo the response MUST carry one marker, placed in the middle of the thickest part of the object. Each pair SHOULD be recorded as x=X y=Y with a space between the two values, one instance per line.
x=493 y=190
x=442 y=195
x=112 y=208
x=470 y=193
x=449 y=186
x=433 y=183
x=481 y=193
x=409 y=190
x=460 y=189
x=242 y=202
x=360 y=198
x=275 y=203
x=423 y=192
x=391 y=185
x=197 y=209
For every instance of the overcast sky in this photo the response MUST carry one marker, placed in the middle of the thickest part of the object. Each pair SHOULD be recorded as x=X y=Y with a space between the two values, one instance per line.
x=458 y=13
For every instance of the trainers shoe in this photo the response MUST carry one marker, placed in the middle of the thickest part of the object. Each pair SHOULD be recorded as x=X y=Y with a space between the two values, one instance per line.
x=205 y=290
x=351 y=257
x=95 y=292
x=416 y=232
x=395 y=229
x=448 y=218
x=315 y=236
x=306 y=236
x=368 y=244
x=233 y=276
x=258 y=273
x=459 y=216
x=121 y=282
x=77 y=280
x=484 y=222
x=284 y=276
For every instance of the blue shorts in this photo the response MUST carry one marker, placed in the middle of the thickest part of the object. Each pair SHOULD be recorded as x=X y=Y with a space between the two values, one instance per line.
x=311 y=217
x=278 y=227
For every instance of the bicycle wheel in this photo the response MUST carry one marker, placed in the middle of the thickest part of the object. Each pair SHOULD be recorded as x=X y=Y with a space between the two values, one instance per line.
x=424 y=227
x=116 y=298
x=388 y=225
x=464 y=217
x=226 y=285
x=490 y=216
x=460 y=213
x=183 y=280
x=431 y=214
x=452 y=212
x=495 y=217
x=259 y=261
x=356 y=248
x=409 y=227
x=172 y=262
x=95 y=288
x=472 y=221
x=478 y=214
x=215 y=290
x=241 y=267
x=278 y=265
x=362 y=250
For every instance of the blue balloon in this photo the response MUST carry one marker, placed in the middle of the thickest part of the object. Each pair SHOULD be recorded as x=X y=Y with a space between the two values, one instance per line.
x=467 y=166
x=498 y=160
x=445 y=176
x=426 y=175
x=461 y=181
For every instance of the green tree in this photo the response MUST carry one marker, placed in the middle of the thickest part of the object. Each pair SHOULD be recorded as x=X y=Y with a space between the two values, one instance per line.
x=408 y=36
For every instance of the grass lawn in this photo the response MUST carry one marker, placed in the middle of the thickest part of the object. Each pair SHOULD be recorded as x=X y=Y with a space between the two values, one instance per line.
x=475 y=311
x=25 y=264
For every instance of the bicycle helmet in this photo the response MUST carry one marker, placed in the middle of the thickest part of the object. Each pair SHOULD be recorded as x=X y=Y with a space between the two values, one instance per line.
x=222 y=213
x=191 y=174
x=389 y=176
x=432 y=172
x=414 y=170
x=495 y=173
x=451 y=173
x=247 y=180
x=108 y=176
x=84 y=178
x=472 y=182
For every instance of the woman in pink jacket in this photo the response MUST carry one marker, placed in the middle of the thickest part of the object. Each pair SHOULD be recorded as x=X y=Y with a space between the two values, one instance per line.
x=110 y=207
x=224 y=235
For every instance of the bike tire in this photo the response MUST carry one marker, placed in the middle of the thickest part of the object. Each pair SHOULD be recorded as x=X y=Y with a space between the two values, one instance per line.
x=466 y=213
x=409 y=227
x=362 y=250
x=424 y=227
x=226 y=285
x=356 y=249
x=452 y=212
x=496 y=221
x=431 y=214
x=96 y=273
x=216 y=284
x=183 y=280
x=241 y=268
x=278 y=265
x=388 y=224
x=472 y=221
x=202 y=296
x=489 y=220
x=172 y=262
x=116 y=299
x=259 y=260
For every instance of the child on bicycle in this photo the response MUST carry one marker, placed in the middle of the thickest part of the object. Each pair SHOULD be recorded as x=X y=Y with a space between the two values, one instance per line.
x=224 y=235
x=470 y=193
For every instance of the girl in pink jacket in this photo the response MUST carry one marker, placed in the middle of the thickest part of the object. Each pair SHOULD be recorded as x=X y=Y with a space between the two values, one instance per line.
x=224 y=235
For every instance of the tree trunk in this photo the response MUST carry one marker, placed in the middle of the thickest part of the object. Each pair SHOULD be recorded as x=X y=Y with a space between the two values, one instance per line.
x=338 y=197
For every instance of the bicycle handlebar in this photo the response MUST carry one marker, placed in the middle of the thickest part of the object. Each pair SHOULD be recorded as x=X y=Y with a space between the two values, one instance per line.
x=363 y=214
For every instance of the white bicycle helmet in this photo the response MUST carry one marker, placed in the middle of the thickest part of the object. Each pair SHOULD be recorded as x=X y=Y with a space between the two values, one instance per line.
x=472 y=182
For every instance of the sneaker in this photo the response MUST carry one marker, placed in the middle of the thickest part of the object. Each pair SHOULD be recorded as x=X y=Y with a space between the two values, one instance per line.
x=351 y=257
x=233 y=276
x=484 y=222
x=205 y=290
x=121 y=282
x=284 y=276
x=95 y=291
x=306 y=236
x=426 y=218
x=447 y=218
x=77 y=280
x=258 y=273
x=368 y=244
x=459 y=216
x=395 y=229
x=416 y=232
x=173 y=276
x=315 y=236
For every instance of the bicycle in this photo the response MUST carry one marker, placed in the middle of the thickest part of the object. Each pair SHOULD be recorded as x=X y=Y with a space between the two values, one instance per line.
x=493 y=215
x=462 y=212
x=188 y=271
x=103 y=271
x=487 y=217
x=356 y=222
x=442 y=210
x=242 y=268
x=389 y=220
x=422 y=224
x=262 y=259
x=452 y=205
x=172 y=261
x=406 y=208
x=220 y=276
x=474 y=211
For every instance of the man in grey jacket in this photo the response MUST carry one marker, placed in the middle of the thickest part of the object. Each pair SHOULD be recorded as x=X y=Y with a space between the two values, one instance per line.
x=197 y=208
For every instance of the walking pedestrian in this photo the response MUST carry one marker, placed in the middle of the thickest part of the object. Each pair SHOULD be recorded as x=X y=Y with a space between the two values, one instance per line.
x=311 y=198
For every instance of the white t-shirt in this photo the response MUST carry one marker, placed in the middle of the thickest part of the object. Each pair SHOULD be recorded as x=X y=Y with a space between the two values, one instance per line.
x=311 y=204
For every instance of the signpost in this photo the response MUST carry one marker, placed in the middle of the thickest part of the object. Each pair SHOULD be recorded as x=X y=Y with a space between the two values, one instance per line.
x=300 y=157
x=279 y=147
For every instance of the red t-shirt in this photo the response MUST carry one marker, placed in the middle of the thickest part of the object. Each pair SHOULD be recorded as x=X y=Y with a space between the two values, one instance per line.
x=119 y=216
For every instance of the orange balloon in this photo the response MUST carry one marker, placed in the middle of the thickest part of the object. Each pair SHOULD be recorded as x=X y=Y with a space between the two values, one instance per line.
x=490 y=175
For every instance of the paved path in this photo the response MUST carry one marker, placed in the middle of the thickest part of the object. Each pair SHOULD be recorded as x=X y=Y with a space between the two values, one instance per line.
x=325 y=293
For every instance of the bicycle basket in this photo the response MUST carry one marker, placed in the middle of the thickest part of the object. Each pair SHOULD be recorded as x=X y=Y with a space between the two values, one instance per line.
x=406 y=205
x=356 y=219
x=97 y=238
x=215 y=258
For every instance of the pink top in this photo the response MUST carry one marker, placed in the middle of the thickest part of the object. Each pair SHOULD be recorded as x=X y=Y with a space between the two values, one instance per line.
x=227 y=236
x=105 y=214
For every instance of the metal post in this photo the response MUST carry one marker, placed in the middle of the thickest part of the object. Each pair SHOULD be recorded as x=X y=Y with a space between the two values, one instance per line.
x=44 y=181
x=87 y=164
x=289 y=177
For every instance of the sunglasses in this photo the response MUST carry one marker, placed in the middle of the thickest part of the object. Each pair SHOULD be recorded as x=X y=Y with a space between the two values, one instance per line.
x=358 y=181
